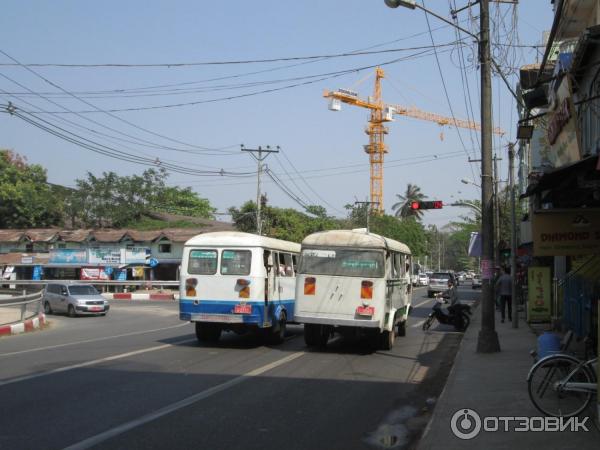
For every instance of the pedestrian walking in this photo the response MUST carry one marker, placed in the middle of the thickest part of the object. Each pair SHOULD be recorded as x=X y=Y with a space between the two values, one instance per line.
x=504 y=289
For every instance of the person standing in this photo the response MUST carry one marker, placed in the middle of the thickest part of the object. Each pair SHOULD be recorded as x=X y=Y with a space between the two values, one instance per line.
x=504 y=289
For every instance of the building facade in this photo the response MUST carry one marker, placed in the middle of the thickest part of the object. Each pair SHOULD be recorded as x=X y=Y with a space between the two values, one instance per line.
x=110 y=254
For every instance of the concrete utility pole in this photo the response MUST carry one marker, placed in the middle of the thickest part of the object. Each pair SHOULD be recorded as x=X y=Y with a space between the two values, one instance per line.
x=488 y=338
x=259 y=159
x=496 y=213
x=513 y=235
x=367 y=209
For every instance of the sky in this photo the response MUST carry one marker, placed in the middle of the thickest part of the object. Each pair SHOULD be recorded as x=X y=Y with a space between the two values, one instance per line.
x=131 y=78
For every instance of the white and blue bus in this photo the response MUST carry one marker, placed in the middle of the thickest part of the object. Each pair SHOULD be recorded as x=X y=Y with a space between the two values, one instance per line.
x=355 y=283
x=234 y=281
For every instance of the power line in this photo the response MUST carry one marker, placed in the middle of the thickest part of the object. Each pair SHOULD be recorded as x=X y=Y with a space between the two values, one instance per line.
x=220 y=63
x=95 y=107
x=249 y=94
x=437 y=60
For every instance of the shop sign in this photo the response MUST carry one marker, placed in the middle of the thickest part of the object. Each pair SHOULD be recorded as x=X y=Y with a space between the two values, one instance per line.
x=569 y=233
x=136 y=255
x=562 y=131
x=93 y=273
x=539 y=302
x=26 y=259
x=105 y=255
x=68 y=256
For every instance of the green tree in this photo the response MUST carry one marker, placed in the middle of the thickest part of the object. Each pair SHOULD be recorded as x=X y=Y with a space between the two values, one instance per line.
x=119 y=201
x=26 y=199
x=402 y=208
x=282 y=223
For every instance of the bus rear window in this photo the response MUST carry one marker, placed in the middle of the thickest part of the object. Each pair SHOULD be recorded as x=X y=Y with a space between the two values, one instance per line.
x=342 y=262
x=202 y=262
x=236 y=262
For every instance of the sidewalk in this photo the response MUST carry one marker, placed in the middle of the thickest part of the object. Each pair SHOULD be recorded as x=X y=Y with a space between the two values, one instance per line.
x=495 y=385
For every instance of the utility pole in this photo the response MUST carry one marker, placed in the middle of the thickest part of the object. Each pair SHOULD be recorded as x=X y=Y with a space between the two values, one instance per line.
x=487 y=341
x=513 y=235
x=496 y=214
x=259 y=159
x=367 y=209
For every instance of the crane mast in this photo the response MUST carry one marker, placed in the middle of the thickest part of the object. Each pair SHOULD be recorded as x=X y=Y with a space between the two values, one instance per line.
x=376 y=130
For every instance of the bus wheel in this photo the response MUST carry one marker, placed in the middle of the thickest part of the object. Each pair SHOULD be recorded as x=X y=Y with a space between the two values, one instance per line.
x=207 y=332
x=278 y=336
x=311 y=334
x=323 y=335
x=388 y=338
x=402 y=328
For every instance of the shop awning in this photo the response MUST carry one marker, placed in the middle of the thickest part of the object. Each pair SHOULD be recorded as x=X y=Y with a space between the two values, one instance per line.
x=561 y=176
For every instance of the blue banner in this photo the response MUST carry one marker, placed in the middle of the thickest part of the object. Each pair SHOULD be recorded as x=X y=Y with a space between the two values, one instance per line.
x=68 y=256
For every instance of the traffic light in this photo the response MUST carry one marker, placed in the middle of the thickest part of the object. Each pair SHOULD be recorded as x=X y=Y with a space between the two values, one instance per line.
x=435 y=204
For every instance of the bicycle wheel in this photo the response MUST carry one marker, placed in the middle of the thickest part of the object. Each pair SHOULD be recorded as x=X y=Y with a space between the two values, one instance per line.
x=545 y=394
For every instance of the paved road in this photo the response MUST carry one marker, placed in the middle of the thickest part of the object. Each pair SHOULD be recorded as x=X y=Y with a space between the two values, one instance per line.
x=138 y=379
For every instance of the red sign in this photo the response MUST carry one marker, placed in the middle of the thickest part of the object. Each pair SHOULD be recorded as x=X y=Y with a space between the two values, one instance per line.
x=242 y=309
x=365 y=310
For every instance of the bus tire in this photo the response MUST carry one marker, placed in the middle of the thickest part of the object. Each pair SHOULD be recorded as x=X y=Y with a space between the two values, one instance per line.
x=277 y=336
x=402 y=328
x=207 y=332
x=311 y=334
x=388 y=338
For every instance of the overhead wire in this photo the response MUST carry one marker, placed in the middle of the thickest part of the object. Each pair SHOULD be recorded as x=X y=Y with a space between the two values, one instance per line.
x=437 y=60
x=97 y=109
x=251 y=94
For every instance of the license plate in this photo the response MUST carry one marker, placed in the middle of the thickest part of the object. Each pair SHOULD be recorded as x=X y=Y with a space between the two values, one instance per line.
x=365 y=310
x=95 y=308
x=242 y=309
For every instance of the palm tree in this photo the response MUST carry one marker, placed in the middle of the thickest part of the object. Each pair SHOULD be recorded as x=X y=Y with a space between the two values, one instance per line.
x=402 y=209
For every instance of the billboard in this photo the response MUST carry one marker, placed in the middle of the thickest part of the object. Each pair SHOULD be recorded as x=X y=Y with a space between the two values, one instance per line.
x=68 y=256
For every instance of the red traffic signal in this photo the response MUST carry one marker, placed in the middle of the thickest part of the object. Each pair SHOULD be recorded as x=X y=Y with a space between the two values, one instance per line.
x=435 y=204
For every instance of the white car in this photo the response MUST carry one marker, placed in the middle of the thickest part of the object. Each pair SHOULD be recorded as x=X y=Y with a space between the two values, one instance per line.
x=423 y=280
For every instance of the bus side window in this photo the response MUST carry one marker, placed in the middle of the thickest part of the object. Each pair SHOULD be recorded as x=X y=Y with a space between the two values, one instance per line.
x=399 y=263
x=393 y=266
x=287 y=264
x=295 y=264
x=277 y=266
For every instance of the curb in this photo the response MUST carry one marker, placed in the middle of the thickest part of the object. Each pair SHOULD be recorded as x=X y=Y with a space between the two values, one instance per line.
x=23 y=327
x=435 y=412
x=134 y=296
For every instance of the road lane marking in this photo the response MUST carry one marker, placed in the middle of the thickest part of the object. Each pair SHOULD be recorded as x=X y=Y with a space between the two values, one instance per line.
x=94 y=362
x=418 y=324
x=422 y=303
x=113 y=432
x=87 y=341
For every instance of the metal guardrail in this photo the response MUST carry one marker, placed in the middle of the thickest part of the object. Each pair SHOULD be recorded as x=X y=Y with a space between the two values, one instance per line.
x=19 y=308
x=106 y=285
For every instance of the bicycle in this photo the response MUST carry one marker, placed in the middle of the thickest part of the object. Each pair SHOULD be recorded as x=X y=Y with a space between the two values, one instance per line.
x=562 y=385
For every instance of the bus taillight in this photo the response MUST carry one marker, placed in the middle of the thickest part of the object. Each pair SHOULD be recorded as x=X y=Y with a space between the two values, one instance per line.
x=366 y=289
x=190 y=287
x=243 y=288
x=310 y=286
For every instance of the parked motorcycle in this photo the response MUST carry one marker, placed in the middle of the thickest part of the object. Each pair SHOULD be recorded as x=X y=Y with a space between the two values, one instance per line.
x=457 y=315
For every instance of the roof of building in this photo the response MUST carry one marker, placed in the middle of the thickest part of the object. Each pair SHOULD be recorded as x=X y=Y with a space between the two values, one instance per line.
x=111 y=235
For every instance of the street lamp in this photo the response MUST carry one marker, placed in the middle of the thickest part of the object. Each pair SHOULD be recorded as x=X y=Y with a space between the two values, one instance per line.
x=466 y=181
x=487 y=341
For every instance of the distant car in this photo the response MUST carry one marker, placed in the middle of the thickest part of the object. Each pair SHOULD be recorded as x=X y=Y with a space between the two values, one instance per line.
x=74 y=299
x=443 y=282
x=476 y=282
x=423 y=280
x=414 y=279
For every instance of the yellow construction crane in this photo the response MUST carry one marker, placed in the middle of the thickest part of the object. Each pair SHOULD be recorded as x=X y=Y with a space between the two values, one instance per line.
x=381 y=113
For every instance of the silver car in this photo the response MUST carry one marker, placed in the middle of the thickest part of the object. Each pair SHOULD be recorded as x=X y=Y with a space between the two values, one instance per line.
x=74 y=299
x=442 y=282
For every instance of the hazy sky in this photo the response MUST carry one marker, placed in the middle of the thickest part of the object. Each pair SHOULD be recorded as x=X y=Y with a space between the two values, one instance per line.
x=324 y=147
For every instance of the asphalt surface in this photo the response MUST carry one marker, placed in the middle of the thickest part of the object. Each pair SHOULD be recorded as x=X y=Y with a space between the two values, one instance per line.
x=138 y=379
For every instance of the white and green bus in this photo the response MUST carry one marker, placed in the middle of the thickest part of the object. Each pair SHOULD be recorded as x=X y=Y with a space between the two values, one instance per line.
x=355 y=283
